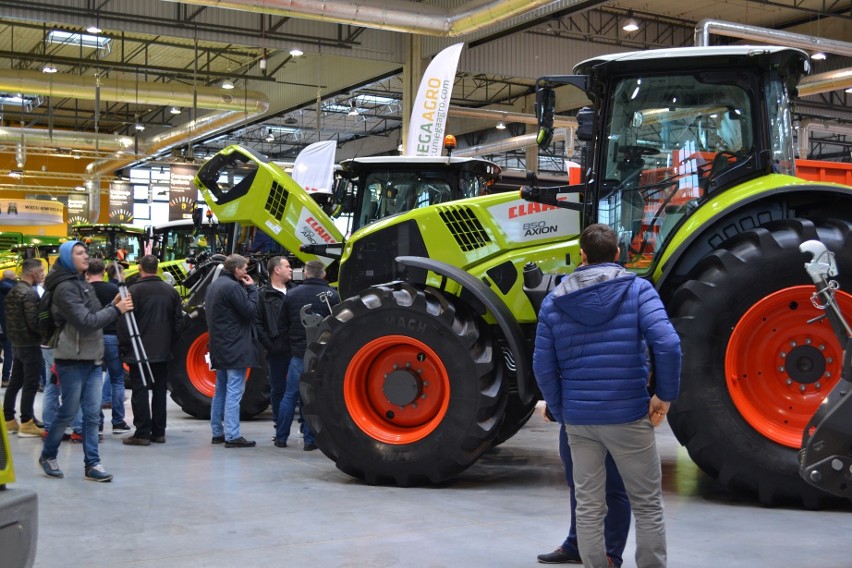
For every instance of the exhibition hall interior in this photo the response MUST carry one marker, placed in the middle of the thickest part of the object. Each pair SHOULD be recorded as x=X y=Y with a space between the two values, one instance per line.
x=386 y=238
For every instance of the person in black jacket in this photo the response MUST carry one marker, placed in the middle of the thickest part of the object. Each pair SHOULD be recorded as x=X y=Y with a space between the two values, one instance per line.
x=7 y=283
x=316 y=293
x=159 y=319
x=22 y=329
x=113 y=391
x=231 y=304
x=272 y=323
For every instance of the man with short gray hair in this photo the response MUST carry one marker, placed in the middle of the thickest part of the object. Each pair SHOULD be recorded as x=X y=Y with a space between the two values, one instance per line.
x=231 y=304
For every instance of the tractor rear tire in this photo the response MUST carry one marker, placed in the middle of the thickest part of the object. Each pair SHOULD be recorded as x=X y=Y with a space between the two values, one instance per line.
x=192 y=383
x=754 y=370
x=401 y=386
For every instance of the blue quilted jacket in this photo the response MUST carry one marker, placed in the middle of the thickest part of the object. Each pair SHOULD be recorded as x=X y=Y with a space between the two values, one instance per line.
x=595 y=333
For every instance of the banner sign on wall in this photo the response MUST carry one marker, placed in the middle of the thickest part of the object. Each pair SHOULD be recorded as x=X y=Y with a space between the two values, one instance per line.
x=429 y=114
x=182 y=192
x=120 y=203
x=31 y=212
x=77 y=210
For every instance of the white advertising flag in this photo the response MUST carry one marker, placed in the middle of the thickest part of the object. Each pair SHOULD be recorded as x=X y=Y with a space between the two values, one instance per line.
x=314 y=167
x=429 y=114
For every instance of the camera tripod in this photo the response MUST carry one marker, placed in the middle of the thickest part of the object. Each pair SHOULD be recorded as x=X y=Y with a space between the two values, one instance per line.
x=133 y=330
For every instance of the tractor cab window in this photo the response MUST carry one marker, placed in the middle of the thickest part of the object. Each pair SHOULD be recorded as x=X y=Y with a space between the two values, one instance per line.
x=667 y=139
x=228 y=176
x=781 y=128
x=389 y=193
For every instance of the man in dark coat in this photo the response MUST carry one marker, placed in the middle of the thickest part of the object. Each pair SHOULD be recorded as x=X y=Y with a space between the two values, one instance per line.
x=22 y=329
x=272 y=323
x=159 y=318
x=231 y=304
x=316 y=293
x=7 y=283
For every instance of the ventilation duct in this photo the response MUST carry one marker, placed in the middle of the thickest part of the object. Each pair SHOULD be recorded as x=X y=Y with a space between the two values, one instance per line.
x=812 y=85
x=389 y=15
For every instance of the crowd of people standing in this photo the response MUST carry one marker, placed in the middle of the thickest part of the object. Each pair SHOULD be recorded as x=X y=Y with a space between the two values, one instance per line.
x=84 y=359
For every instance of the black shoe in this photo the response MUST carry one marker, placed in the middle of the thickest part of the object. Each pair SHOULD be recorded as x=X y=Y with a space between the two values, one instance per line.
x=217 y=440
x=310 y=447
x=559 y=556
x=240 y=443
x=134 y=441
x=279 y=443
x=121 y=428
x=158 y=439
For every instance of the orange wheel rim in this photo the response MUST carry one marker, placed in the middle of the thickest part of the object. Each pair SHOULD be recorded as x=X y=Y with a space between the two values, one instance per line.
x=779 y=367
x=396 y=389
x=202 y=377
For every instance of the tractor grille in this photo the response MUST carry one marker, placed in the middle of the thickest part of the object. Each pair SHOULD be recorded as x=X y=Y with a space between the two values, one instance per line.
x=465 y=227
x=277 y=201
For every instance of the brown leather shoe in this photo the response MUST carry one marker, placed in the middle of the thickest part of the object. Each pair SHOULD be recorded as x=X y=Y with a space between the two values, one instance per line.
x=134 y=441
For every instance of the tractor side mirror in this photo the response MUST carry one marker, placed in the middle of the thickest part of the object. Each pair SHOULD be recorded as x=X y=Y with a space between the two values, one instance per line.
x=545 y=103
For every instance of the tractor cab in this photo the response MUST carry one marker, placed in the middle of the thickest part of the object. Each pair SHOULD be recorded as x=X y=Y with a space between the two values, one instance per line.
x=112 y=242
x=669 y=132
x=379 y=187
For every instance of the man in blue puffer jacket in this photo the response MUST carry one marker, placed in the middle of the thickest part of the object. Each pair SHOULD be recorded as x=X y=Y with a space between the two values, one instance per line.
x=595 y=333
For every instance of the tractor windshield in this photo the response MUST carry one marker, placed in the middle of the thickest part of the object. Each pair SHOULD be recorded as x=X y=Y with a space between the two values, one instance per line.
x=667 y=141
x=391 y=192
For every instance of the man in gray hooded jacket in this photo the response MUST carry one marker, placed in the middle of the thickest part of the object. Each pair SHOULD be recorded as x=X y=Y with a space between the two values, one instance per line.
x=78 y=354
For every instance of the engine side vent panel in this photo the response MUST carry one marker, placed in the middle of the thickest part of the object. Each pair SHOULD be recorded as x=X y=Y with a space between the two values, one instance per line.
x=465 y=227
x=277 y=201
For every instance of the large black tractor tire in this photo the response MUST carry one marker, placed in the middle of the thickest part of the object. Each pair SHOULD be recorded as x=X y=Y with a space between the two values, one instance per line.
x=192 y=383
x=401 y=386
x=754 y=369
x=517 y=414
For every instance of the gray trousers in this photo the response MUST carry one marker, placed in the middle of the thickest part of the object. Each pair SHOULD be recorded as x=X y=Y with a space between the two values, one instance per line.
x=634 y=449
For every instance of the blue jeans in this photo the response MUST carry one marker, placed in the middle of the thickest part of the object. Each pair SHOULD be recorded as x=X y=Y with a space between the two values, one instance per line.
x=230 y=386
x=291 y=398
x=80 y=384
x=114 y=387
x=277 y=369
x=617 y=521
x=50 y=403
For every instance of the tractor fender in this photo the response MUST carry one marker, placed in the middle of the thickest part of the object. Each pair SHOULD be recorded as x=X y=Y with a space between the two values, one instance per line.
x=712 y=225
x=505 y=320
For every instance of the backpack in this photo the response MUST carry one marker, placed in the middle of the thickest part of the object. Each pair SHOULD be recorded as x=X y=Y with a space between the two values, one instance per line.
x=46 y=324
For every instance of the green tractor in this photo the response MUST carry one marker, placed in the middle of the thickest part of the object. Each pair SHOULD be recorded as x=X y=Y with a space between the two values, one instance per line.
x=426 y=363
x=243 y=189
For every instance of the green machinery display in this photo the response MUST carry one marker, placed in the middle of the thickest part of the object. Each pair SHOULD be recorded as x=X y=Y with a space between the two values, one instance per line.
x=252 y=192
x=427 y=361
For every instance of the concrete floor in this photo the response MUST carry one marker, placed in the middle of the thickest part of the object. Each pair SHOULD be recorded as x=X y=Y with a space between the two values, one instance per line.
x=188 y=503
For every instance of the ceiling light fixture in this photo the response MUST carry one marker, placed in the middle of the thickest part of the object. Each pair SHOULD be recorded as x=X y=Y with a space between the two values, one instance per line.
x=49 y=68
x=501 y=125
x=175 y=110
x=631 y=25
x=227 y=84
x=296 y=52
x=352 y=110
x=140 y=127
x=94 y=30
x=818 y=56
x=16 y=173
